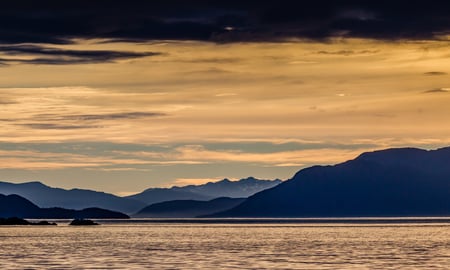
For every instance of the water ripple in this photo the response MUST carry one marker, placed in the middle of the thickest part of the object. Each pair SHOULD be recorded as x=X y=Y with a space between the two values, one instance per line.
x=219 y=246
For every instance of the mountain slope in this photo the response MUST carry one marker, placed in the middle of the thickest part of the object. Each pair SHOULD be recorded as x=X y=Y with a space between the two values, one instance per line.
x=188 y=208
x=393 y=182
x=157 y=195
x=17 y=206
x=46 y=196
x=225 y=188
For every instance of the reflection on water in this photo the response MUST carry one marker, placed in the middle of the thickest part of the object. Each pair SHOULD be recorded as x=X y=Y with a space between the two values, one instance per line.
x=227 y=246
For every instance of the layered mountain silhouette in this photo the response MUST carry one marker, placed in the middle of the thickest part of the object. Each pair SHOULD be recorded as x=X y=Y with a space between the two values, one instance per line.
x=45 y=196
x=188 y=208
x=17 y=206
x=392 y=182
x=48 y=197
x=225 y=188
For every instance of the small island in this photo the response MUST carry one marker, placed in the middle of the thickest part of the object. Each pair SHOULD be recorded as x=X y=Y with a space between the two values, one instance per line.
x=82 y=222
x=19 y=221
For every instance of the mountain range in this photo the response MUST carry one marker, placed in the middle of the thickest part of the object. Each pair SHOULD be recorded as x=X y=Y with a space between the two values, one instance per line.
x=17 y=206
x=392 y=182
x=224 y=188
x=45 y=196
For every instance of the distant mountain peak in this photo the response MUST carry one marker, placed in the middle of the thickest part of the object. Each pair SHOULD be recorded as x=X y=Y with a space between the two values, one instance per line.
x=31 y=183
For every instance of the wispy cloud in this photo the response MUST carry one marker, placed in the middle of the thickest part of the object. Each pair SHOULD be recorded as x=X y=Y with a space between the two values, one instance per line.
x=34 y=160
x=437 y=91
x=348 y=52
x=96 y=117
x=56 y=126
x=119 y=169
x=197 y=154
x=435 y=73
x=195 y=181
x=42 y=55
x=77 y=121
x=7 y=102
x=111 y=160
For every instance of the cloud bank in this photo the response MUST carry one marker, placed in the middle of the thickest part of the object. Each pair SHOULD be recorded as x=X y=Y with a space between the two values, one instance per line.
x=58 y=22
x=43 y=55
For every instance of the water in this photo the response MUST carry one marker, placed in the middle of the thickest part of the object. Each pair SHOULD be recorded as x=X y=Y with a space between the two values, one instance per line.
x=188 y=245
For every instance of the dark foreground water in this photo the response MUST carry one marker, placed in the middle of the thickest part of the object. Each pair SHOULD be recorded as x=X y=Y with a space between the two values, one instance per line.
x=238 y=245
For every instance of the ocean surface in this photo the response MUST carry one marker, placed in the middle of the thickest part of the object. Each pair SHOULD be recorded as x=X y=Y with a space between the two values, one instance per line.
x=230 y=244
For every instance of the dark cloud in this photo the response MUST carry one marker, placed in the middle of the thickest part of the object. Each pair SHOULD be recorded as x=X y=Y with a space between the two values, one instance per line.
x=55 y=56
x=7 y=102
x=56 y=126
x=76 y=121
x=210 y=71
x=58 y=22
x=113 y=116
x=348 y=52
x=97 y=117
x=436 y=91
x=435 y=73
x=212 y=60
x=384 y=115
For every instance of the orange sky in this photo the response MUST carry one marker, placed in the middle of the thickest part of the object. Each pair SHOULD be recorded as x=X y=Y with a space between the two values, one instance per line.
x=201 y=110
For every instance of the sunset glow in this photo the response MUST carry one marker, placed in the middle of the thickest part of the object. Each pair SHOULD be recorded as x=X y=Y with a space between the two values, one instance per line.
x=125 y=115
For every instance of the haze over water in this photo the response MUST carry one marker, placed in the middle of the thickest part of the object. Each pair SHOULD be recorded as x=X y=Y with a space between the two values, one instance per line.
x=228 y=246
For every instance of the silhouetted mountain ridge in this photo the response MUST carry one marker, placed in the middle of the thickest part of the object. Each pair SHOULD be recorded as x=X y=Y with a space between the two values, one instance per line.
x=224 y=188
x=392 y=182
x=45 y=196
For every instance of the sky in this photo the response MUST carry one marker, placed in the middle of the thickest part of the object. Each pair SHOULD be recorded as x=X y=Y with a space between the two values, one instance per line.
x=121 y=96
